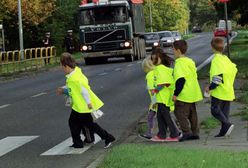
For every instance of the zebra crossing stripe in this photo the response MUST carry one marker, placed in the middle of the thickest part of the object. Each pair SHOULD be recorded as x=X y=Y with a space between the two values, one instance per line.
x=10 y=143
x=64 y=148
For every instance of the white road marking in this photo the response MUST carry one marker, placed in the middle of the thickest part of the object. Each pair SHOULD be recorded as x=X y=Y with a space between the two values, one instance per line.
x=118 y=69
x=10 y=143
x=139 y=62
x=3 y=106
x=129 y=65
x=65 y=149
x=102 y=74
x=37 y=95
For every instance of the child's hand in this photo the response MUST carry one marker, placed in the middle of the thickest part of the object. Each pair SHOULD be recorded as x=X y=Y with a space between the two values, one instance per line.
x=207 y=89
x=59 y=91
x=174 y=98
x=153 y=92
x=154 y=106
x=90 y=106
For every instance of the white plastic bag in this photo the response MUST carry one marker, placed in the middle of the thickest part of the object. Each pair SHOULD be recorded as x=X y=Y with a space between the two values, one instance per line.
x=96 y=114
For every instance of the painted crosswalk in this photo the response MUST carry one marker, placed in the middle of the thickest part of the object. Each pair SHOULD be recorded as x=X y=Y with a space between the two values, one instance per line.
x=65 y=149
x=11 y=143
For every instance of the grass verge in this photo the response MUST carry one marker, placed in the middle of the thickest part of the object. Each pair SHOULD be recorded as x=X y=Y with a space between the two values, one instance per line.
x=239 y=52
x=188 y=36
x=210 y=123
x=156 y=156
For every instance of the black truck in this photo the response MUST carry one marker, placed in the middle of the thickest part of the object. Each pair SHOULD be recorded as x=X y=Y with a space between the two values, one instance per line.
x=112 y=28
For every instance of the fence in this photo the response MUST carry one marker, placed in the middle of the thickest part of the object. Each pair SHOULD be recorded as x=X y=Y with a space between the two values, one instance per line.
x=34 y=58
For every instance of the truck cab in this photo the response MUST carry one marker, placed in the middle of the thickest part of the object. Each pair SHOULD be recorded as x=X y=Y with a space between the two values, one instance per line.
x=107 y=30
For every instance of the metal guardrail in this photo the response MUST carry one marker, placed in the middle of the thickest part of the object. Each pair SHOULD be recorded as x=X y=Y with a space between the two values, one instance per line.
x=34 y=58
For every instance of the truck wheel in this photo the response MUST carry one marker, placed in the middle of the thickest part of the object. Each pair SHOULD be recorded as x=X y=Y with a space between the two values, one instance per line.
x=129 y=58
x=88 y=61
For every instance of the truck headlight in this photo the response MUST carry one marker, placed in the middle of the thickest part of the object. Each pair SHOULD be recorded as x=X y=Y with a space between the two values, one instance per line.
x=89 y=48
x=84 y=48
x=127 y=44
x=155 y=44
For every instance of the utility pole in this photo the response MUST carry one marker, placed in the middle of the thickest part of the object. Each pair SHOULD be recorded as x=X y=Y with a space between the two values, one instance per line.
x=226 y=20
x=150 y=8
x=227 y=32
x=3 y=40
x=20 y=29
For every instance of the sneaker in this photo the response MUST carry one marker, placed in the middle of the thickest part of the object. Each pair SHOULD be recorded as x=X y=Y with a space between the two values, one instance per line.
x=186 y=136
x=109 y=142
x=194 y=137
x=219 y=135
x=144 y=136
x=170 y=139
x=77 y=146
x=158 y=139
x=229 y=130
x=88 y=141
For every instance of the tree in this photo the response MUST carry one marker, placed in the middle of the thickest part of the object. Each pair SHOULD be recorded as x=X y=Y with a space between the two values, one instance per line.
x=237 y=10
x=34 y=13
x=168 y=14
x=200 y=10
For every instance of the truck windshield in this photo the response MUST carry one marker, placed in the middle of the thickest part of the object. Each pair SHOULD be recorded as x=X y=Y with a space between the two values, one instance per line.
x=103 y=15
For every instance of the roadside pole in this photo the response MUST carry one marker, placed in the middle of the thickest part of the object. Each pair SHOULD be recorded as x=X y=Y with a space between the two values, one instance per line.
x=20 y=29
x=227 y=34
x=150 y=8
x=226 y=20
x=3 y=40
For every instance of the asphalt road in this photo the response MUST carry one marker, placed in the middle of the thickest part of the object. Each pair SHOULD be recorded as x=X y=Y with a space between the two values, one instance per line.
x=30 y=109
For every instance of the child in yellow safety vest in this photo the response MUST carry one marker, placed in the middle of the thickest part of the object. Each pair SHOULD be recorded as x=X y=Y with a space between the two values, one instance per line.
x=187 y=92
x=222 y=76
x=164 y=87
x=83 y=103
x=148 y=67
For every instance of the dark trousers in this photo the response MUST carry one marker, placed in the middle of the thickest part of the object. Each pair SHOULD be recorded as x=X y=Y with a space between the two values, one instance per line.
x=165 y=121
x=78 y=121
x=220 y=109
x=89 y=135
x=187 y=117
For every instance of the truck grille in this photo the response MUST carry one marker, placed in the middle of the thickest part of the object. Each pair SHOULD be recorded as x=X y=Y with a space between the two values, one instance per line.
x=106 y=46
x=105 y=36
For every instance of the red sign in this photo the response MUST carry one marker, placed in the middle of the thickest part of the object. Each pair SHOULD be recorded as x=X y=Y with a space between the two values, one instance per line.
x=137 y=1
x=223 y=1
x=87 y=1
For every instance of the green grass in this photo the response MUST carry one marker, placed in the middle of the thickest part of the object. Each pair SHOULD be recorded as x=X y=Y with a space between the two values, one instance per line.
x=210 y=123
x=160 y=156
x=188 y=36
x=239 y=55
x=243 y=114
x=77 y=55
x=141 y=128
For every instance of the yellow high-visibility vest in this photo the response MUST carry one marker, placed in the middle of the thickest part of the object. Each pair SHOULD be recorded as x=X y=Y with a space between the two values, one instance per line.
x=163 y=75
x=150 y=86
x=185 y=68
x=74 y=84
x=221 y=64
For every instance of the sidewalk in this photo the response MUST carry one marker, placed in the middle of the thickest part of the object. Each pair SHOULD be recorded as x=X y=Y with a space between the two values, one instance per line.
x=237 y=141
